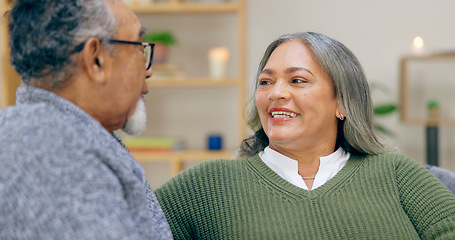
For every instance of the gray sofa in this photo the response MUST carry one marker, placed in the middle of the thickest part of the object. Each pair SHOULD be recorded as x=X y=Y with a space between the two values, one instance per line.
x=445 y=176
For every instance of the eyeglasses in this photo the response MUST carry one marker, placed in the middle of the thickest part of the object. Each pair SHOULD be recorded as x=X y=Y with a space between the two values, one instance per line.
x=148 y=49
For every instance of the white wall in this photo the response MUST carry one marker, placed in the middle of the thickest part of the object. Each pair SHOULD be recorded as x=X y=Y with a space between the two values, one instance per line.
x=378 y=32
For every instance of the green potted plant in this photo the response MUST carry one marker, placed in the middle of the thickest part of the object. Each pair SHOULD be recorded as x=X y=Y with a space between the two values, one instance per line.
x=163 y=40
x=383 y=109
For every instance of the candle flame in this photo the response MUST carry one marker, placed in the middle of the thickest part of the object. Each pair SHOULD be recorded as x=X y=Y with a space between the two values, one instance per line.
x=219 y=53
x=418 y=42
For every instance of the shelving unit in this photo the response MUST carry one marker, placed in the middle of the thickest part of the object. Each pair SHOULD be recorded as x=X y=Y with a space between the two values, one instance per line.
x=193 y=9
x=183 y=7
x=406 y=83
x=427 y=80
x=178 y=159
x=194 y=82
x=237 y=83
x=9 y=78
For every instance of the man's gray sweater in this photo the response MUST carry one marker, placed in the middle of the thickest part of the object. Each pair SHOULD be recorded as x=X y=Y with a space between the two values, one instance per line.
x=63 y=176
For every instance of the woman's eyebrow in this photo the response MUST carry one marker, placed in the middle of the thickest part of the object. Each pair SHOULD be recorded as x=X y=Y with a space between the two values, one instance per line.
x=294 y=69
x=288 y=70
x=267 y=71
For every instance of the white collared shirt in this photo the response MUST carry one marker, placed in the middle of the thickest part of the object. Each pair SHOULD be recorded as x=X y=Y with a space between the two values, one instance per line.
x=288 y=168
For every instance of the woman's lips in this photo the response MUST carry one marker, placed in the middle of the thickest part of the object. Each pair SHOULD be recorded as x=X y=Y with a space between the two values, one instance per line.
x=282 y=114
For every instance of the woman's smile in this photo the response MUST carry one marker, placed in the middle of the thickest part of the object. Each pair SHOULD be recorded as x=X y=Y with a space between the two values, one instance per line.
x=279 y=115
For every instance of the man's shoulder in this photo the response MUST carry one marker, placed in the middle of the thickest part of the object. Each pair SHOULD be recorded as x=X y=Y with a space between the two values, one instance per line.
x=38 y=116
x=40 y=136
x=43 y=122
x=15 y=116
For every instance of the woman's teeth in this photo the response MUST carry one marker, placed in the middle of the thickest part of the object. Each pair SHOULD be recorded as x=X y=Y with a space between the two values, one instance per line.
x=283 y=114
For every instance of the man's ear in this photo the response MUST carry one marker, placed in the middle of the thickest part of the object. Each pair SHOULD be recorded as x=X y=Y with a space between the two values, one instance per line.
x=94 y=57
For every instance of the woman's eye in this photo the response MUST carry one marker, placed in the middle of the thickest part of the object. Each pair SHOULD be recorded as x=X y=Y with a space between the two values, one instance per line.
x=297 y=80
x=263 y=82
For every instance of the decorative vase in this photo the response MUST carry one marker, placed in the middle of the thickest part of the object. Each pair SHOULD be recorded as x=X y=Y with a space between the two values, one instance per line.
x=160 y=53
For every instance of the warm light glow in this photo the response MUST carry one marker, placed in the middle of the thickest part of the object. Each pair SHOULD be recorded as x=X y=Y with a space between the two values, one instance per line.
x=219 y=53
x=218 y=58
x=418 y=42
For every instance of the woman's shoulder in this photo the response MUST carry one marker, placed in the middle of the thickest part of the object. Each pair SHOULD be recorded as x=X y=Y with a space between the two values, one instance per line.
x=215 y=166
x=208 y=171
x=390 y=161
x=203 y=181
x=389 y=158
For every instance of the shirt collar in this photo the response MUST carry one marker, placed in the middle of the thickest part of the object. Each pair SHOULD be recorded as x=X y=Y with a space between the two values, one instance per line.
x=287 y=168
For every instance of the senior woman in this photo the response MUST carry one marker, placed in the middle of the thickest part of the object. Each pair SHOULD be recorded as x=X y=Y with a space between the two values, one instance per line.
x=314 y=168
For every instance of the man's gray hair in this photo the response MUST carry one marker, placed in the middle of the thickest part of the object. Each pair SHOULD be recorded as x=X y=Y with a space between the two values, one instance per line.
x=356 y=133
x=44 y=36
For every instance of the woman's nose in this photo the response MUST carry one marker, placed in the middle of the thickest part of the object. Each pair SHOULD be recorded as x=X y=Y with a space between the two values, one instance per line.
x=279 y=91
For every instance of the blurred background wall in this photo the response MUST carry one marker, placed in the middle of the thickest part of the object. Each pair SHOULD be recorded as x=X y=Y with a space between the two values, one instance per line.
x=380 y=33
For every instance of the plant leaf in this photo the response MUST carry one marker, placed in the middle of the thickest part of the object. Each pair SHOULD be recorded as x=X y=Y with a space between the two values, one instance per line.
x=384 y=109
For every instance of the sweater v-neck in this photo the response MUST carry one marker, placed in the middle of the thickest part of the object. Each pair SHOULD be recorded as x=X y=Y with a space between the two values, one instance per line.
x=277 y=183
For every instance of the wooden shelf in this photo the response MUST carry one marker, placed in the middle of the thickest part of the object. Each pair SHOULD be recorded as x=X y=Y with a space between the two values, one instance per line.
x=7 y=4
x=405 y=86
x=178 y=158
x=8 y=77
x=174 y=79
x=185 y=8
x=194 y=155
x=424 y=121
x=431 y=57
x=192 y=82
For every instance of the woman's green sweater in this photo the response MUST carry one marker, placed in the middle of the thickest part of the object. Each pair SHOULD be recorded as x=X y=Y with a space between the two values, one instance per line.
x=385 y=196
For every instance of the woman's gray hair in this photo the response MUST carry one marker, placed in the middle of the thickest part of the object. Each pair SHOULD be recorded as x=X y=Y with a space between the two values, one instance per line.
x=44 y=36
x=356 y=133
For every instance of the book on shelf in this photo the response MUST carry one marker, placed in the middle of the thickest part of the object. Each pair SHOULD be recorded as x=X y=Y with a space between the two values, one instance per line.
x=153 y=144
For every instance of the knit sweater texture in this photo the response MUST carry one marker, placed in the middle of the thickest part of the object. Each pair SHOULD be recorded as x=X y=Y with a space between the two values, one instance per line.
x=64 y=176
x=386 y=196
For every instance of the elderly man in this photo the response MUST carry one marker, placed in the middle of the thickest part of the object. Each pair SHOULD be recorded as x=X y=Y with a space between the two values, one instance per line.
x=63 y=175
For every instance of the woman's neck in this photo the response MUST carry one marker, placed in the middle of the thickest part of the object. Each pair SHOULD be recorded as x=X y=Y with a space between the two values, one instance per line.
x=308 y=160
